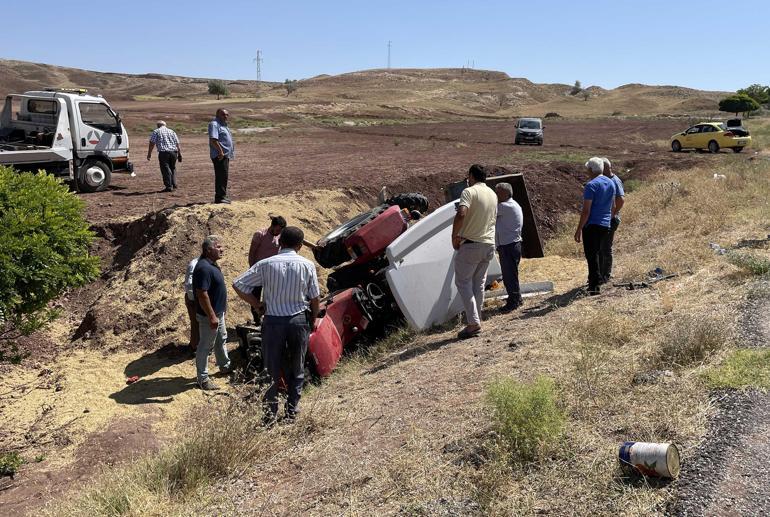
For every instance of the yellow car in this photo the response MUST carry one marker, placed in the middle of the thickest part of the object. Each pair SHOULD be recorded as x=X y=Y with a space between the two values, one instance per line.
x=712 y=136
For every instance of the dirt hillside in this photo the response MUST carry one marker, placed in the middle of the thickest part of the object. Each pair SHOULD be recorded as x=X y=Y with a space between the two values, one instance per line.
x=442 y=93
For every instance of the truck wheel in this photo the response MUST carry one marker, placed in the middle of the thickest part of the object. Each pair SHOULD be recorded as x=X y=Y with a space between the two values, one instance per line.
x=410 y=201
x=330 y=250
x=93 y=176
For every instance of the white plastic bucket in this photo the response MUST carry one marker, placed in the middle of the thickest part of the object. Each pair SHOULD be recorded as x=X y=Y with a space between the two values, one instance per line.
x=650 y=459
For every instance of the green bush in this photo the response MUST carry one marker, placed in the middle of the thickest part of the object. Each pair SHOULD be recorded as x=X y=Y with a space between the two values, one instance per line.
x=10 y=463
x=44 y=250
x=753 y=263
x=527 y=417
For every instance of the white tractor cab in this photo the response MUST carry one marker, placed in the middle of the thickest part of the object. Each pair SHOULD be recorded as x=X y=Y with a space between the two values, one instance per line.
x=66 y=133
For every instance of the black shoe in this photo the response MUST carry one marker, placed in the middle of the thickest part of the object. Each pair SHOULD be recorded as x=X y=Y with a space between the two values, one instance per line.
x=224 y=201
x=593 y=290
x=510 y=307
x=167 y=189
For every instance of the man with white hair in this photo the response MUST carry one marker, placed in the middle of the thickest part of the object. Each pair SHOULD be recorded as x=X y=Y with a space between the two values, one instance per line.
x=508 y=243
x=169 y=152
x=605 y=254
x=595 y=218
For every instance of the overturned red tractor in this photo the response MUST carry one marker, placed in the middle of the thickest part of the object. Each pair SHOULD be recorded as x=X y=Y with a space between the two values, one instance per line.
x=391 y=263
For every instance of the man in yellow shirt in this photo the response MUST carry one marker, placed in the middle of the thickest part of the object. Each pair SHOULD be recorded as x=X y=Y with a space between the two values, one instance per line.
x=473 y=236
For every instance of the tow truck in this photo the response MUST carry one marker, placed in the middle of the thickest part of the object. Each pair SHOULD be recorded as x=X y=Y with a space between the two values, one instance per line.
x=389 y=263
x=67 y=133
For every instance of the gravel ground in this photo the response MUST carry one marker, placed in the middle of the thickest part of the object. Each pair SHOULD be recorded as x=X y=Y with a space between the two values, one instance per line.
x=729 y=474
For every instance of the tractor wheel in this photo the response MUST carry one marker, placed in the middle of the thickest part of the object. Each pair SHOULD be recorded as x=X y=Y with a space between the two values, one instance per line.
x=410 y=201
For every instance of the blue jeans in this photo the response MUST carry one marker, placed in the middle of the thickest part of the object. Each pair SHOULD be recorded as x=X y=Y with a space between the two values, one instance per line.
x=284 y=345
x=210 y=338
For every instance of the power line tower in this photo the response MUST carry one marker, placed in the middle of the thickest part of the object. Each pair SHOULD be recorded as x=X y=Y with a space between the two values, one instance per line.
x=258 y=60
x=389 y=43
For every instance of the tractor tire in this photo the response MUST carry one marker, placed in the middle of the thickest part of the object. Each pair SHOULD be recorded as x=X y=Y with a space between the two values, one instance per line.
x=93 y=176
x=330 y=250
x=410 y=201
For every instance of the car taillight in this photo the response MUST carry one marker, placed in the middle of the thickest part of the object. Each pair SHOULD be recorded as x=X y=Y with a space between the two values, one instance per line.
x=729 y=133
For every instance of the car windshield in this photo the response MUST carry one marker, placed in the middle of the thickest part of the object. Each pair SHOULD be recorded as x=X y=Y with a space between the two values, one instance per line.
x=722 y=126
x=529 y=124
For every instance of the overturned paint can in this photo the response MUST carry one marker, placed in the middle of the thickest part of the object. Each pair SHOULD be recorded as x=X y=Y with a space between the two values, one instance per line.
x=650 y=459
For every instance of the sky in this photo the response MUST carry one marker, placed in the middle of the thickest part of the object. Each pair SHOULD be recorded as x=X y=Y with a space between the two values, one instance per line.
x=709 y=45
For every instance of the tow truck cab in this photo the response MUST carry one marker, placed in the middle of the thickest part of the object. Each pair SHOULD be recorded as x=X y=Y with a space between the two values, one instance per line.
x=67 y=133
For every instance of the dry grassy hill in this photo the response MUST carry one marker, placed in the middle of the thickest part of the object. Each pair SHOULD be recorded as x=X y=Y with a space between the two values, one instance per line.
x=388 y=94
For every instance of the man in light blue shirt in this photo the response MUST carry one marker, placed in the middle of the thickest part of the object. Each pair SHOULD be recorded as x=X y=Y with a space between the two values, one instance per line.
x=290 y=302
x=222 y=150
x=508 y=243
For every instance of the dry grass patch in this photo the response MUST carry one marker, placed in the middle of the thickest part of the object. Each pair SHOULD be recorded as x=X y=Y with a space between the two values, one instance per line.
x=218 y=441
x=690 y=339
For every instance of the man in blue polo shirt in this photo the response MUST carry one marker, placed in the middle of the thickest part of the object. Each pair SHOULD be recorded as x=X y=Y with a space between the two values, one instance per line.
x=211 y=304
x=594 y=226
x=222 y=150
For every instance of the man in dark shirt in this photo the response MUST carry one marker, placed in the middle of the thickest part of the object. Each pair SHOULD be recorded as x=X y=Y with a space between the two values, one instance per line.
x=211 y=304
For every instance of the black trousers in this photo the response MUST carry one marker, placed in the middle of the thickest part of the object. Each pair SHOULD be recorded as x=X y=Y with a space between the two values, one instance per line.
x=284 y=345
x=594 y=236
x=167 y=162
x=510 y=256
x=221 y=171
x=605 y=254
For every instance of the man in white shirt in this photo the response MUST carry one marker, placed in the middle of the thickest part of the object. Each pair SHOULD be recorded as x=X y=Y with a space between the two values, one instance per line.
x=508 y=243
x=290 y=303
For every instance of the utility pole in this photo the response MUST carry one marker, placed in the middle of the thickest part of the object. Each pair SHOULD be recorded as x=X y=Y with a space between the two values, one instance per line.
x=258 y=61
x=389 y=43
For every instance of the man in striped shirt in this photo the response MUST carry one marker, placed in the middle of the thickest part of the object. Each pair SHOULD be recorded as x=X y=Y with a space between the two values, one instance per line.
x=290 y=303
x=169 y=152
